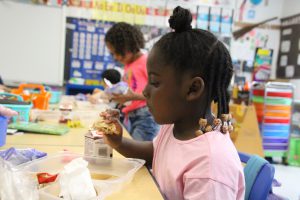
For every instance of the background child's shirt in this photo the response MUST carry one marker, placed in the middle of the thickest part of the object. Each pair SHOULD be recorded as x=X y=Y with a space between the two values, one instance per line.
x=205 y=167
x=135 y=74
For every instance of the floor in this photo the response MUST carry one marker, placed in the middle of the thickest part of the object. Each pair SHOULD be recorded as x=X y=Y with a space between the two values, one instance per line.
x=289 y=177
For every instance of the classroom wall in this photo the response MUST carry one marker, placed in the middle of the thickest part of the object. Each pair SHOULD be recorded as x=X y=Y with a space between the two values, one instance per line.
x=244 y=49
x=290 y=7
x=32 y=41
x=256 y=13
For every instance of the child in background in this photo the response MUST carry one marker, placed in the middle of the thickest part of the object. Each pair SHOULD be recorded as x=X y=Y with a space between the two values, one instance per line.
x=188 y=69
x=112 y=75
x=125 y=42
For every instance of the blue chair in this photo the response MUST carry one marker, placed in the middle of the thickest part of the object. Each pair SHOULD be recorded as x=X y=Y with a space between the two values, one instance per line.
x=259 y=175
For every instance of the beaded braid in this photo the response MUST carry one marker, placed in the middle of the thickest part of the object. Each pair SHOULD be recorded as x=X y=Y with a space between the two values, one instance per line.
x=219 y=53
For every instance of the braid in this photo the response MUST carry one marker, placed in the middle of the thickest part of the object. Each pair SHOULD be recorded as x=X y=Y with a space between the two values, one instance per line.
x=213 y=76
x=227 y=74
x=220 y=72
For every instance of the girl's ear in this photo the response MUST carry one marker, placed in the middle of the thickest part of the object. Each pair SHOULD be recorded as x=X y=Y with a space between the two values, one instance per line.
x=196 y=88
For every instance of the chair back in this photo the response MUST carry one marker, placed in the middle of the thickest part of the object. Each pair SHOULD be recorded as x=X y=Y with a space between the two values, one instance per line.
x=259 y=175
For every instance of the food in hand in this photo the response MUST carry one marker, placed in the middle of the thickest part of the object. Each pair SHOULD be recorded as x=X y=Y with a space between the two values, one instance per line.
x=106 y=128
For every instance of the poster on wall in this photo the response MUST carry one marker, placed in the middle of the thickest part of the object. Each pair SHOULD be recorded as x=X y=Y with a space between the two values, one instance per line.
x=226 y=21
x=288 y=63
x=215 y=19
x=202 y=17
x=262 y=64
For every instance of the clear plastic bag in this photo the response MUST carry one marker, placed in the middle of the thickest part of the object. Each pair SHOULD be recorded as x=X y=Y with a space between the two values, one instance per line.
x=16 y=184
x=19 y=156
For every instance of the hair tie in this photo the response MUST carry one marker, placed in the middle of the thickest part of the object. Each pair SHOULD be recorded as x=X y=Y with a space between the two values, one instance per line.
x=223 y=125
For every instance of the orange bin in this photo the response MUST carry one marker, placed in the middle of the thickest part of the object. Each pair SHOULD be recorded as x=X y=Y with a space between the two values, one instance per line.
x=40 y=98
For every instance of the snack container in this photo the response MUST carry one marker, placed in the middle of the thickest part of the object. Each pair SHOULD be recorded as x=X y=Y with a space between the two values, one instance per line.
x=96 y=147
x=23 y=110
x=109 y=175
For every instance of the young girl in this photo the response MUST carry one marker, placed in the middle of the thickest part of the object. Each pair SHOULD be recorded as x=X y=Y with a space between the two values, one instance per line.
x=124 y=42
x=188 y=69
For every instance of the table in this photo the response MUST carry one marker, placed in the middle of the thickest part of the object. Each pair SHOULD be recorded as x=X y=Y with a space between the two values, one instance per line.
x=141 y=187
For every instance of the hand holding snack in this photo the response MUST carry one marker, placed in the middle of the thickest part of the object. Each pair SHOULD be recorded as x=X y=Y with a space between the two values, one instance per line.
x=98 y=97
x=110 y=127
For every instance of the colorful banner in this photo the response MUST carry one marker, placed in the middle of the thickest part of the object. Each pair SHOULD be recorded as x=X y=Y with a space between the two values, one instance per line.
x=128 y=12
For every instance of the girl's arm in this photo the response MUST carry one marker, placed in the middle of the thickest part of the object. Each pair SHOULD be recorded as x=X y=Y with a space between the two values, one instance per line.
x=132 y=148
x=127 y=147
x=129 y=96
x=137 y=96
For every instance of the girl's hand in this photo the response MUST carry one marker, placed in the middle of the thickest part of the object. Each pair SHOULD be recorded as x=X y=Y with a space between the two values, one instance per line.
x=112 y=116
x=123 y=98
x=93 y=99
x=96 y=90
x=98 y=97
x=3 y=88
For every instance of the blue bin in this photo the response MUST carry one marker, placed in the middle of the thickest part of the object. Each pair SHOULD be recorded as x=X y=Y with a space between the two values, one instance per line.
x=3 y=129
x=23 y=110
x=55 y=95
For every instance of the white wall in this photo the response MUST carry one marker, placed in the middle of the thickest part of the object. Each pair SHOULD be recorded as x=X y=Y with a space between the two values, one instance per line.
x=31 y=43
x=290 y=7
x=263 y=11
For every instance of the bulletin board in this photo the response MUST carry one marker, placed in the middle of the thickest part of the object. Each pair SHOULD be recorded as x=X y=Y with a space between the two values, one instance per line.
x=215 y=19
x=288 y=64
x=86 y=54
x=31 y=43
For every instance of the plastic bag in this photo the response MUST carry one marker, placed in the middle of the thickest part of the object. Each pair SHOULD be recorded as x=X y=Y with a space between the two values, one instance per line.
x=76 y=182
x=19 y=156
x=15 y=184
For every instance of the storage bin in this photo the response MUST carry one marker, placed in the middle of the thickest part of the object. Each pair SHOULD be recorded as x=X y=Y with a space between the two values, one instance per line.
x=294 y=152
x=39 y=99
x=108 y=174
x=55 y=95
x=23 y=110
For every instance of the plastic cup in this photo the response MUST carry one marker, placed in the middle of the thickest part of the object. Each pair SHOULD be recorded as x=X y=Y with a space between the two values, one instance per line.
x=3 y=129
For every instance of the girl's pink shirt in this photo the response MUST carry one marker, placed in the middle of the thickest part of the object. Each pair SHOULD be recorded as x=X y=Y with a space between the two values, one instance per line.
x=135 y=74
x=206 y=167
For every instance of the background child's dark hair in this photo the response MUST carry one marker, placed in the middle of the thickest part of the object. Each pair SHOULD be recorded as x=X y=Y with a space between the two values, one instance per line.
x=125 y=37
x=113 y=75
x=199 y=52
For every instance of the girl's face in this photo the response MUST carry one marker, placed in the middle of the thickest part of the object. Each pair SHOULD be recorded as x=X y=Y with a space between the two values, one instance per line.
x=123 y=59
x=164 y=94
